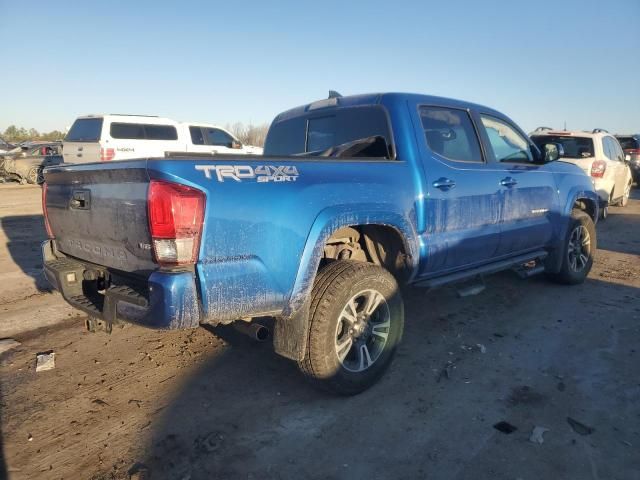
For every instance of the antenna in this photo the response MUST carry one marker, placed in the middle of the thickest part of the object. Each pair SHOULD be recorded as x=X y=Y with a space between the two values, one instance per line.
x=334 y=94
x=565 y=125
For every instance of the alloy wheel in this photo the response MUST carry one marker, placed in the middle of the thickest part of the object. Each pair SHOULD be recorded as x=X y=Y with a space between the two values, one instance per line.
x=362 y=330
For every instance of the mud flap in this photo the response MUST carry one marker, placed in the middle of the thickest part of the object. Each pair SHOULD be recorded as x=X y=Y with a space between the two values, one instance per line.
x=290 y=334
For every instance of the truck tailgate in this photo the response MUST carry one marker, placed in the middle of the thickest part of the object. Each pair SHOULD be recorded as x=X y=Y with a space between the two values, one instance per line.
x=98 y=213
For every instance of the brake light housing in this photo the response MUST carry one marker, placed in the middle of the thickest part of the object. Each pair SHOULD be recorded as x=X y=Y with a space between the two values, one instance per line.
x=47 y=225
x=107 y=154
x=598 y=168
x=176 y=213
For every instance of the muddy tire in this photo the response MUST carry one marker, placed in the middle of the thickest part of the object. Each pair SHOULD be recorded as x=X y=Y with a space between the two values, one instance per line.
x=578 y=250
x=356 y=319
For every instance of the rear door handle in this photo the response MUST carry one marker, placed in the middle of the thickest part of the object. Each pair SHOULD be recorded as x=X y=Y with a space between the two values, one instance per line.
x=444 y=183
x=508 y=182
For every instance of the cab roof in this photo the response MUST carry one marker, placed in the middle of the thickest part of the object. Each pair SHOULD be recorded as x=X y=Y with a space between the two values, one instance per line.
x=380 y=98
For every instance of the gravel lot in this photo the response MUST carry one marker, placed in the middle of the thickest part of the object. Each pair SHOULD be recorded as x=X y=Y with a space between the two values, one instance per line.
x=209 y=403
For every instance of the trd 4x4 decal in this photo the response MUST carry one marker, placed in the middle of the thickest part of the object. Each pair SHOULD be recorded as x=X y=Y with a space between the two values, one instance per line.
x=262 y=173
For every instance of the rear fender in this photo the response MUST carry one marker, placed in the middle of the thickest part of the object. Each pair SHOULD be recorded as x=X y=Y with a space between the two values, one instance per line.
x=291 y=328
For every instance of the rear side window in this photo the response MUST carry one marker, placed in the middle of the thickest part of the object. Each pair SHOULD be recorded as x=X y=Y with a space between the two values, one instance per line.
x=85 y=130
x=139 y=131
x=321 y=132
x=450 y=133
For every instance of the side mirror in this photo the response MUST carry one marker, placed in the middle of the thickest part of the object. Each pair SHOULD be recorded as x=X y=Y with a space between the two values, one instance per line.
x=552 y=152
x=236 y=145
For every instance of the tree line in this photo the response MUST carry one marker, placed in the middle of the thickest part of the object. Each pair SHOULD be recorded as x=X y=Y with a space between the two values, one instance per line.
x=248 y=134
x=14 y=134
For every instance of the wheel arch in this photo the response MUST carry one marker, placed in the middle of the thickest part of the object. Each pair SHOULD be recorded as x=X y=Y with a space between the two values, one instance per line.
x=373 y=222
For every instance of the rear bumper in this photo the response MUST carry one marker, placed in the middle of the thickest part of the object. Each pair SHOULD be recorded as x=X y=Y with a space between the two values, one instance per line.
x=166 y=301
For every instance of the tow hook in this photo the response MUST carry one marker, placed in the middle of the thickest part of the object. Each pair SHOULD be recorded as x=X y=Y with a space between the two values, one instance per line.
x=94 y=325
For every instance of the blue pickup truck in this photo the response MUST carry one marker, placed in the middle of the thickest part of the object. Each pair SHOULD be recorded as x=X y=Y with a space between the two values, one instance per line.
x=353 y=197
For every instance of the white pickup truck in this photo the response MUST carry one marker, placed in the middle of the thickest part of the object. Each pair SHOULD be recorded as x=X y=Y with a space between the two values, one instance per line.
x=102 y=138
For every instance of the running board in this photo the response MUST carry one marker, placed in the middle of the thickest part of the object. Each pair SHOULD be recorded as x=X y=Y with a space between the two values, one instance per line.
x=515 y=262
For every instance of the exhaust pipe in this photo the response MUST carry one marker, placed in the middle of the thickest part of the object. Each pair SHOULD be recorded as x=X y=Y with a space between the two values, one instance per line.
x=258 y=332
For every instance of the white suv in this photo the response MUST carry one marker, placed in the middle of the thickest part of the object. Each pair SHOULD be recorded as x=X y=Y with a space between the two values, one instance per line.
x=101 y=138
x=599 y=155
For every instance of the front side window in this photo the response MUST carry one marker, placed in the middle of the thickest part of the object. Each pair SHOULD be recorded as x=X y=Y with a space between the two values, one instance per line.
x=217 y=137
x=507 y=143
x=449 y=132
x=573 y=147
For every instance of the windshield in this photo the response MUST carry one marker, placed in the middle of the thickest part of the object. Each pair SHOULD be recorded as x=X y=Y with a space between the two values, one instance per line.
x=85 y=130
x=629 y=143
x=574 y=147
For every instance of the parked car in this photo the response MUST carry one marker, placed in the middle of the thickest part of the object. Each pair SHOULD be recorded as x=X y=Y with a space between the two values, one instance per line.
x=354 y=195
x=101 y=138
x=5 y=146
x=600 y=156
x=26 y=166
x=631 y=146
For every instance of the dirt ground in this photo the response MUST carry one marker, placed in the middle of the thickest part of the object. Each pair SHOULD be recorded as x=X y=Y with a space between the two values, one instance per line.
x=210 y=403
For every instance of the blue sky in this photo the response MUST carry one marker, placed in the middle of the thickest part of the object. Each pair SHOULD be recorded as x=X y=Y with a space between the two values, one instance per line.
x=540 y=62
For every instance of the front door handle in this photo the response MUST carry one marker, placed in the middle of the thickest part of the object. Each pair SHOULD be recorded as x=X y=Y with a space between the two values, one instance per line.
x=444 y=184
x=508 y=182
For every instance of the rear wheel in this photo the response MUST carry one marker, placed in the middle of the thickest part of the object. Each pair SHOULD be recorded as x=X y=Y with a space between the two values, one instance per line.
x=579 y=250
x=35 y=176
x=625 y=197
x=356 y=319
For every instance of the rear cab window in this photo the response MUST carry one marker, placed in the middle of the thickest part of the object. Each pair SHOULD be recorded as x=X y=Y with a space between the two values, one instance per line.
x=449 y=132
x=85 y=130
x=343 y=132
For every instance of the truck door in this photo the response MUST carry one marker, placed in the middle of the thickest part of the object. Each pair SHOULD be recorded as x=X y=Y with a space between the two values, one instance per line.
x=462 y=204
x=528 y=193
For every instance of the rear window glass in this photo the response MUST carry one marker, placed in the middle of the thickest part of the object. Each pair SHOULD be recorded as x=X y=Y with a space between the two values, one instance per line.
x=318 y=132
x=629 y=143
x=85 y=130
x=574 y=147
x=450 y=133
x=138 y=131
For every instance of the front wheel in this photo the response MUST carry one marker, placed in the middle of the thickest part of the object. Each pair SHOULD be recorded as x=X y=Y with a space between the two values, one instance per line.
x=356 y=319
x=579 y=250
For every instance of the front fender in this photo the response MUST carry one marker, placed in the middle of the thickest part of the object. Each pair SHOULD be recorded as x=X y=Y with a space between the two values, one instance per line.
x=578 y=193
x=333 y=218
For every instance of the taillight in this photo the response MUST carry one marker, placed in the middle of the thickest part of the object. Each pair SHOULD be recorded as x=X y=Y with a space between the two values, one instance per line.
x=633 y=151
x=107 y=154
x=175 y=221
x=47 y=226
x=598 y=168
